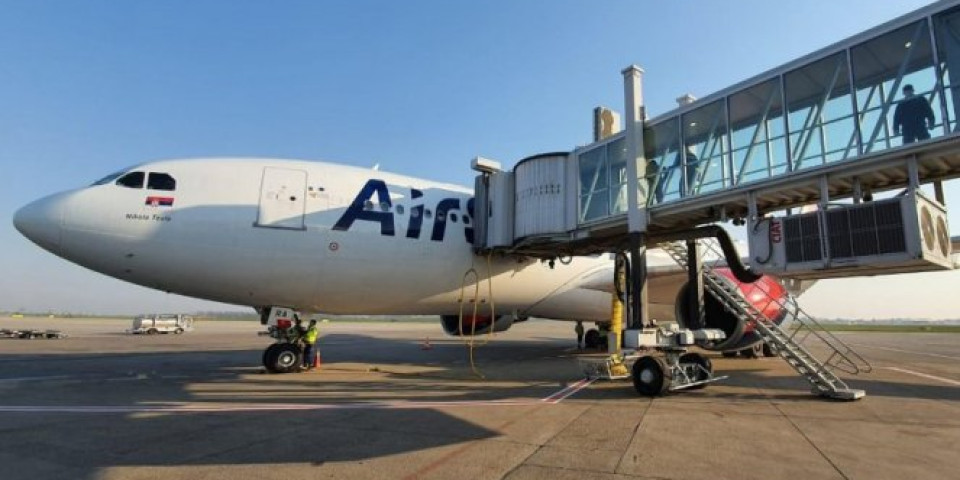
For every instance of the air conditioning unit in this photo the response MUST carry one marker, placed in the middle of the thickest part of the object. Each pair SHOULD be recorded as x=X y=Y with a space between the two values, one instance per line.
x=908 y=233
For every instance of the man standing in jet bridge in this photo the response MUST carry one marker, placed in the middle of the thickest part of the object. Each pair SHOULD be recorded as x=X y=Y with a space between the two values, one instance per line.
x=914 y=116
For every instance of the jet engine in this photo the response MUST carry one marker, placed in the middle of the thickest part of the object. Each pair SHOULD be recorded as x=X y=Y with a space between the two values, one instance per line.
x=475 y=325
x=766 y=294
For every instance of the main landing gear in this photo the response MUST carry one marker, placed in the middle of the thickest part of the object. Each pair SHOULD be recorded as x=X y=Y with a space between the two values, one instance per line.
x=592 y=339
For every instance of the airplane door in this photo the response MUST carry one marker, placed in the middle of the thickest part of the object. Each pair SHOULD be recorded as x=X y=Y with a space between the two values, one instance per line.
x=282 y=198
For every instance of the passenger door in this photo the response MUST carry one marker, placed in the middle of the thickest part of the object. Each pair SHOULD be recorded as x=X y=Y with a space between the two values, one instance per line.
x=282 y=198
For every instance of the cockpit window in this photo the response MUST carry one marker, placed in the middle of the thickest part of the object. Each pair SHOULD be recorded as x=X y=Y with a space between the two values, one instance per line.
x=161 y=181
x=131 y=180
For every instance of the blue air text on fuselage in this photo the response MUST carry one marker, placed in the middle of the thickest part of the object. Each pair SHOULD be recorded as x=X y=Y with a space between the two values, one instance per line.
x=363 y=208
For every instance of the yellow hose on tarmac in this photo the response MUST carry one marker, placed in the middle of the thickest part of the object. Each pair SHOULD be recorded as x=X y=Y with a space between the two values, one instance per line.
x=471 y=340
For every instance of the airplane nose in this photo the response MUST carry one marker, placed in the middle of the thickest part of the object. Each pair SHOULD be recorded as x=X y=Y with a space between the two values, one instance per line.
x=40 y=221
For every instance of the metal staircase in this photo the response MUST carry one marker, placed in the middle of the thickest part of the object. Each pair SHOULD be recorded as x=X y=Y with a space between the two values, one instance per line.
x=793 y=338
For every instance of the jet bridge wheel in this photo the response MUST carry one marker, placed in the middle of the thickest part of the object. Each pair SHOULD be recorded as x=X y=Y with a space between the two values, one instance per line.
x=651 y=376
x=704 y=368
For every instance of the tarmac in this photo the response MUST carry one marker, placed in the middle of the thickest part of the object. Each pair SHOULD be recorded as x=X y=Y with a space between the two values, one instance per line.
x=401 y=401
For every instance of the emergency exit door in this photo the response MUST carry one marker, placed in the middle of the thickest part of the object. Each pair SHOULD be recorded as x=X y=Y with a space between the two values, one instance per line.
x=282 y=198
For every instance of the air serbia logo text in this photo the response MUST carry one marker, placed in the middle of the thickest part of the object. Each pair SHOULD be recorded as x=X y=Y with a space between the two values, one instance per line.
x=363 y=208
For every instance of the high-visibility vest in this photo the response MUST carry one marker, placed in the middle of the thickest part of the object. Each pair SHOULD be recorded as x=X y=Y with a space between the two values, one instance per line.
x=311 y=335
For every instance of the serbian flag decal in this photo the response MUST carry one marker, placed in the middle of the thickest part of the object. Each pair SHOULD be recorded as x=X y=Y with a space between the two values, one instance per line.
x=159 y=201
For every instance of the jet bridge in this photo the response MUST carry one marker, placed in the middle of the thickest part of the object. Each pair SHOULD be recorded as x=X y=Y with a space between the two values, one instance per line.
x=875 y=114
x=819 y=130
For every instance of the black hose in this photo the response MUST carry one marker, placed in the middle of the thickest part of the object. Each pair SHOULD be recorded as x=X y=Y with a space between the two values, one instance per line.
x=742 y=272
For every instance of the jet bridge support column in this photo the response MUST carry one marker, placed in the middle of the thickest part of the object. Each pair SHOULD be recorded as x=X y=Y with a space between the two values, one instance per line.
x=636 y=194
x=694 y=286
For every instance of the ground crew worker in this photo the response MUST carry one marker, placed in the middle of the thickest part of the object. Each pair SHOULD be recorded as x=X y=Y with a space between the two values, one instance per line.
x=579 y=330
x=295 y=332
x=309 y=344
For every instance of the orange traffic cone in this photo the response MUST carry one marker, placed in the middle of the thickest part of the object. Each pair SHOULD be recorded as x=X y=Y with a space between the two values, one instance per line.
x=316 y=359
x=426 y=344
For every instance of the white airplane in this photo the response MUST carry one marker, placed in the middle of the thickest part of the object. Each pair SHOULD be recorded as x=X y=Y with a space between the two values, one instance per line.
x=329 y=238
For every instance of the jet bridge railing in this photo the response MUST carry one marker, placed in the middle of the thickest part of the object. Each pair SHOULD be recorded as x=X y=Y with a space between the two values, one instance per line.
x=840 y=103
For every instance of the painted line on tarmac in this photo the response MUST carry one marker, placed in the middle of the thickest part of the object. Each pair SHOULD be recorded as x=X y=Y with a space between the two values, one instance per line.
x=552 y=399
x=28 y=379
x=925 y=375
x=926 y=354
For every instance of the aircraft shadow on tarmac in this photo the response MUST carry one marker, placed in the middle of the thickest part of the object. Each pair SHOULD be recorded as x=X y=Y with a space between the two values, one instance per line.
x=84 y=445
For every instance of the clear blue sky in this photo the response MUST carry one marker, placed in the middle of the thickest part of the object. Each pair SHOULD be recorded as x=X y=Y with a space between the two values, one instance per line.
x=419 y=87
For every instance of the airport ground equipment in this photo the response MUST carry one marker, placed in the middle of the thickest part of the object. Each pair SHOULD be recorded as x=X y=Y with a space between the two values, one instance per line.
x=676 y=369
x=903 y=234
x=162 y=323
x=607 y=367
x=793 y=338
x=32 y=334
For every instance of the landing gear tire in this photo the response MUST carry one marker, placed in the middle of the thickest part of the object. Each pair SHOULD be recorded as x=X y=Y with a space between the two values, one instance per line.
x=770 y=350
x=703 y=371
x=651 y=376
x=267 y=355
x=730 y=354
x=755 y=351
x=592 y=338
x=282 y=358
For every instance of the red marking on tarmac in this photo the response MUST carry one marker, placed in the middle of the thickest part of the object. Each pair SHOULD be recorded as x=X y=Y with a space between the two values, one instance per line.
x=552 y=399
x=570 y=390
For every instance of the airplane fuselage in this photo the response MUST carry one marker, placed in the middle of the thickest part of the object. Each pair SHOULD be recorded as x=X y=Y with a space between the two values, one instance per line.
x=309 y=235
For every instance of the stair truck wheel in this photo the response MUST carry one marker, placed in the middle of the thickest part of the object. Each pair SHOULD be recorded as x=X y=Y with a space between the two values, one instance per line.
x=651 y=376
x=703 y=362
x=770 y=350
x=286 y=358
